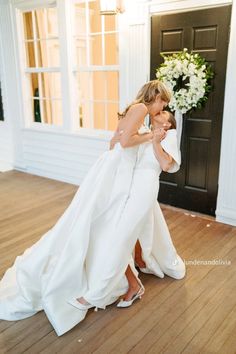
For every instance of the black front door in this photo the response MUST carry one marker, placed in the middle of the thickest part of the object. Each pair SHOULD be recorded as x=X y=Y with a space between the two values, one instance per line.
x=205 y=32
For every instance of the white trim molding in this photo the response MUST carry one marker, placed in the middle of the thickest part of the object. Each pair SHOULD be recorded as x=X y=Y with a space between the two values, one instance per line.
x=8 y=138
x=173 y=6
x=226 y=201
x=28 y=5
x=138 y=71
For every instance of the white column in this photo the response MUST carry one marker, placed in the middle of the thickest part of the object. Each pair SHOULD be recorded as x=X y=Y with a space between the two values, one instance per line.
x=134 y=45
x=226 y=201
x=11 y=148
x=65 y=36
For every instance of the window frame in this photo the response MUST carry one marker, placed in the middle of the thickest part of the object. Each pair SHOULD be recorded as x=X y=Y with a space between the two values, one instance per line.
x=67 y=69
x=89 y=68
x=24 y=70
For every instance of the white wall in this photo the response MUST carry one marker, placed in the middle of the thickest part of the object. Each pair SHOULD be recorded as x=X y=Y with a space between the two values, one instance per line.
x=62 y=155
x=6 y=137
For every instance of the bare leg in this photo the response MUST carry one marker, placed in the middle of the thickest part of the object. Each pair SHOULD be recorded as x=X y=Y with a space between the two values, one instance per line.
x=134 y=285
x=138 y=255
x=82 y=301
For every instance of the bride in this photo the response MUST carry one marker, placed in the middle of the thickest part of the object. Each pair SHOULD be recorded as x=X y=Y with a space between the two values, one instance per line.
x=86 y=259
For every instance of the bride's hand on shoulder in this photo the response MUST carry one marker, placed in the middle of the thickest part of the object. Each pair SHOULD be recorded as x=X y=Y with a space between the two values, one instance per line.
x=159 y=134
x=150 y=136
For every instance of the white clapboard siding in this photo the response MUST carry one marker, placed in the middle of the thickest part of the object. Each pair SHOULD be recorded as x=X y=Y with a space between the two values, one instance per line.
x=65 y=157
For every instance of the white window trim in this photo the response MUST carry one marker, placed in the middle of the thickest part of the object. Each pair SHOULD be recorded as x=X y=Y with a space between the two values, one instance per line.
x=68 y=84
x=93 y=68
x=62 y=11
x=28 y=5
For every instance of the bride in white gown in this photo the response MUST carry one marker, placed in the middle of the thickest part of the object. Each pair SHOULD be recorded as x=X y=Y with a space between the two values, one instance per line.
x=87 y=252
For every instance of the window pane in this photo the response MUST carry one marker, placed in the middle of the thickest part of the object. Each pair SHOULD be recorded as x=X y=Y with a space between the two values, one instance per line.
x=111 y=49
x=84 y=115
x=30 y=54
x=51 y=85
x=81 y=53
x=96 y=50
x=80 y=19
x=84 y=86
x=40 y=26
x=112 y=85
x=47 y=111
x=28 y=25
x=36 y=111
x=48 y=53
x=110 y=22
x=46 y=23
x=34 y=85
x=56 y=112
x=94 y=17
x=51 y=22
x=99 y=115
x=99 y=91
x=112 y=109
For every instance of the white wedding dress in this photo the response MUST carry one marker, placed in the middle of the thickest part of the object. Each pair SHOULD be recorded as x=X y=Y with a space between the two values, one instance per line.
x=87 y=251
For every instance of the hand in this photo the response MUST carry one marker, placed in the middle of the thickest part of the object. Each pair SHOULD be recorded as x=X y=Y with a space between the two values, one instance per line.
x=150 y=136
x=159 y=134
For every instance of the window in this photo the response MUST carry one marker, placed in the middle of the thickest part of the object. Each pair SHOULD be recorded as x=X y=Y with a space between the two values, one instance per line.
x=84 y=57
x=1 y=105
x=42 y=65
x=96 y=66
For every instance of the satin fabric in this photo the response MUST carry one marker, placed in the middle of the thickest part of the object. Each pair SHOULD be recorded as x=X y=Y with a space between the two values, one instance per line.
x=88 y=250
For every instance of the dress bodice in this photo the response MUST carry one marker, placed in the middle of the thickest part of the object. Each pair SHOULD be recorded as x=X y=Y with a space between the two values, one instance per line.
x=144 y=155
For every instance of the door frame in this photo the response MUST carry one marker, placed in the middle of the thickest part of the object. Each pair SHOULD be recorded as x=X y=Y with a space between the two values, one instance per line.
x=168 y=7
x=163 y=7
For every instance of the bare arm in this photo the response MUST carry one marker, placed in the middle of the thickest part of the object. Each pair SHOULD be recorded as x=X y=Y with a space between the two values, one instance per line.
x=137 y=139
x=132 y=121
x=163 y=158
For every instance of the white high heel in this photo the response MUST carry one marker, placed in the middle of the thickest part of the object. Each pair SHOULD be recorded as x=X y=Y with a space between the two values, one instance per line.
x=138 y=295
x=80 y=306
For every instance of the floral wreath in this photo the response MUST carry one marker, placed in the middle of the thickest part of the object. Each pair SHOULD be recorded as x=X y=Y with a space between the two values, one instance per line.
x=187 y=75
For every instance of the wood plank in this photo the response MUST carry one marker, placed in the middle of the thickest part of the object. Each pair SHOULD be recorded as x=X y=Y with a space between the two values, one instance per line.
x=180 y=315
x=167 y=303
x=224 y=330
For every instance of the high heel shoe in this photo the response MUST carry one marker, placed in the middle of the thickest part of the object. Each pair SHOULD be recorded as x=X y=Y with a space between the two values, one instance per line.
x=80 y=306
x=138 y=295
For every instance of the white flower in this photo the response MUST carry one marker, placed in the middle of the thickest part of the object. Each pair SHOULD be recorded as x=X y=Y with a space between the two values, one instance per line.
x=186 y=66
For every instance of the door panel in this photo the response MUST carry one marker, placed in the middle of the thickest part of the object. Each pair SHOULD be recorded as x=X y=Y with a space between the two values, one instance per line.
x=205 y=32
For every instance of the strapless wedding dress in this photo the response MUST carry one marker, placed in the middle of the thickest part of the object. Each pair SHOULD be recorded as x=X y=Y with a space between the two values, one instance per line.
x=87 y=251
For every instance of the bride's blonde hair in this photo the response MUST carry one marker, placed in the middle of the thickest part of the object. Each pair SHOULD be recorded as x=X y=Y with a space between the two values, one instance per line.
x=148 y=93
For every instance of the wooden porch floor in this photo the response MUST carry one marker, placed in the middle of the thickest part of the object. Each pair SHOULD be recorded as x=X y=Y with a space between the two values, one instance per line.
x=193 y=315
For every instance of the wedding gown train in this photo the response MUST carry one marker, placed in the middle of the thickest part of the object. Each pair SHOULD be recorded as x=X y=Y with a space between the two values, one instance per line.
x=87 y=251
